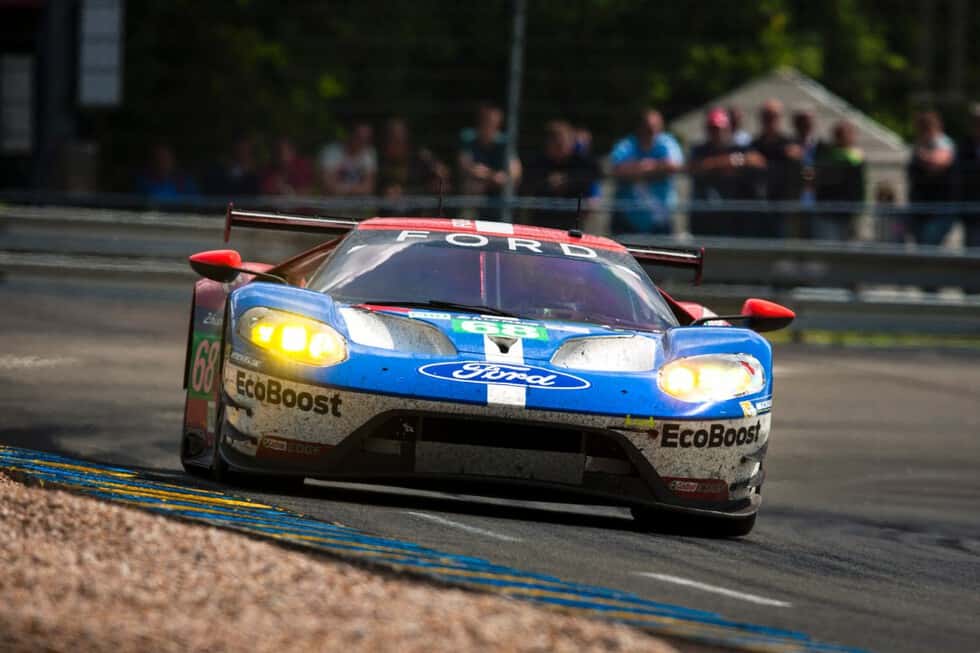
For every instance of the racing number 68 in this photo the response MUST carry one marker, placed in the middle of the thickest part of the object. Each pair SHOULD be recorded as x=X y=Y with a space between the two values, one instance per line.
x=205 y=361
x=506 y=329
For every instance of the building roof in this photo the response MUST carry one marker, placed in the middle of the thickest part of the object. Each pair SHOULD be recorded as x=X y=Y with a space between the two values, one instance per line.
x=796 y=90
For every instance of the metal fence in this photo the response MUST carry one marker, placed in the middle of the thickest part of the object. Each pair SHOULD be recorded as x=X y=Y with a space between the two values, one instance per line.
x=833 y=286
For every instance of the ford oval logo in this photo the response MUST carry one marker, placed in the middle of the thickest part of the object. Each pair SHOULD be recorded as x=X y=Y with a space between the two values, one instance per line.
x=525 y=376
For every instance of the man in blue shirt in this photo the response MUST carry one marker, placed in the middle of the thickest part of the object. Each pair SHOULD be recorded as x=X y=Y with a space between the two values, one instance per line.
x=644 y=165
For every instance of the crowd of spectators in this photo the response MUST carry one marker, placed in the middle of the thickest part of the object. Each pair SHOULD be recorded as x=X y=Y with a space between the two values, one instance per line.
x=808 y=185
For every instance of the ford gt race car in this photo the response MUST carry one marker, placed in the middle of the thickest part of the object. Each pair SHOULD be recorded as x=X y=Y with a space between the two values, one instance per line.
x=445 y=349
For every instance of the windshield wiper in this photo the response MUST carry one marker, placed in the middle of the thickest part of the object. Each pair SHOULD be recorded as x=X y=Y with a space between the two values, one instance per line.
x=449 y=306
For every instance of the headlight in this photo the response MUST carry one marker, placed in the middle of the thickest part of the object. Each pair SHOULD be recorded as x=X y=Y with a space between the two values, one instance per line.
x=402 y=334
x=714 y=377
x=607 y=354
x=293 y=337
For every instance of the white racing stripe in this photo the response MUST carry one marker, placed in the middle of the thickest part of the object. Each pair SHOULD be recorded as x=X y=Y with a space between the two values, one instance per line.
x=463 y=527
x=497 y=393
x=33 y=362
x=503 y=228
x=751 y=598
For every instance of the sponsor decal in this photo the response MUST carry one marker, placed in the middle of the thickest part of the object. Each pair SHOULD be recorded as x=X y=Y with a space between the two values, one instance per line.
x=569 y=327
x=676 y=435
x=525 y=376
x=429 y=315
x=699 y=488
x=205 y=352
x=214 y=319
x=751 y=409
x=506 y=329
x=640 y=423
x=245 y=360
x=272 y=393
x=512 y=244
x=274 y=445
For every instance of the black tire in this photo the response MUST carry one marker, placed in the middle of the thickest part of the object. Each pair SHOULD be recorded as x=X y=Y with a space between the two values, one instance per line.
x=662 y=521
x=219 y=467
x=197 y=471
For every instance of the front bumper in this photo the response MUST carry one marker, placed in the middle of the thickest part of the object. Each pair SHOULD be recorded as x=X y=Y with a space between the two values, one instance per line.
x=280 y=426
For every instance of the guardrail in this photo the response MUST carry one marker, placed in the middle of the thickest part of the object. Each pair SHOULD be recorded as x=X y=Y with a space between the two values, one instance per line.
x=832 y=286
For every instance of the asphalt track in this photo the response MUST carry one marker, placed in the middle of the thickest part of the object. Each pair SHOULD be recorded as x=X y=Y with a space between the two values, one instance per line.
x=870 y=530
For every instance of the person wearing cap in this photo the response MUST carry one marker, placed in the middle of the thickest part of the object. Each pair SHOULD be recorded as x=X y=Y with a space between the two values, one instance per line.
x=968 y=176
x=721 y=171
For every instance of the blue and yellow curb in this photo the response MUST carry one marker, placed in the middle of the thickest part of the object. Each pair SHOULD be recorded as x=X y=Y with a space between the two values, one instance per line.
x=120 y=485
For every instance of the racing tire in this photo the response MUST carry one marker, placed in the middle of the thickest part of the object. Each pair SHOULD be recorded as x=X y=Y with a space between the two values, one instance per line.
x=195 y=470
x=651 y=519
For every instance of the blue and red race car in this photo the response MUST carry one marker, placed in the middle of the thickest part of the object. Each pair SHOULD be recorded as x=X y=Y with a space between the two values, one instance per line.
x=445 y=349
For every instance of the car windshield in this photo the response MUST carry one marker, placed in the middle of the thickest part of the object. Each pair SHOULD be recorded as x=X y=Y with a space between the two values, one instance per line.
x=520 y=276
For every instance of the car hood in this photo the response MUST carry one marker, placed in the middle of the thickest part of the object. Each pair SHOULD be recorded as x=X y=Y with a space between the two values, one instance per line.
x=627 y=387
x=493 y=336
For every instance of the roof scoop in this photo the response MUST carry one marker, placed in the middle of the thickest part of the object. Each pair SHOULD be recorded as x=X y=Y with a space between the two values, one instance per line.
x=503 y=343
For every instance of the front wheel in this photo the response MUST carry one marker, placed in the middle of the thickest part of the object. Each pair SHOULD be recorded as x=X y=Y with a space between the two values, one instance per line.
x=651 y=519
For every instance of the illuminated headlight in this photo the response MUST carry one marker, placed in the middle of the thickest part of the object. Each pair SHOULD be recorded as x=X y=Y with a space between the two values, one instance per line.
x=373 y=329
x=714 y=377
x=607 y=354
x=291 y=336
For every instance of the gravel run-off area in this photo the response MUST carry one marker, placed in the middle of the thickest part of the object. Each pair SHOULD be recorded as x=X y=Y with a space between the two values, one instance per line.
x=84 y=575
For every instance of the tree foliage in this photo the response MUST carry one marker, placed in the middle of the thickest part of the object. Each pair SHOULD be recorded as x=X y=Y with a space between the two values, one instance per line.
x=200 y=71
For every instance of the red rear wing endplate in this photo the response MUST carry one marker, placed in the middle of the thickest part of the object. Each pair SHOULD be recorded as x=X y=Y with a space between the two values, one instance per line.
x=671 y=257
x=285 y=222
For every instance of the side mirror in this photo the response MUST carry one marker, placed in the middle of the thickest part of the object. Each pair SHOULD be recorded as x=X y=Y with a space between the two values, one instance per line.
x=763 y=315
x=221 y=265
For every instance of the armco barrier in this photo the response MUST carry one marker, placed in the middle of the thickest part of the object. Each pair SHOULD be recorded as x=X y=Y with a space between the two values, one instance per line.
x=111 y=244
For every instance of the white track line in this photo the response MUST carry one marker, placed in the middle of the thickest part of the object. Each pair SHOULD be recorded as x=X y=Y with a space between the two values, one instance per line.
x=9 y=362
x=463 y=527
x=751 y=598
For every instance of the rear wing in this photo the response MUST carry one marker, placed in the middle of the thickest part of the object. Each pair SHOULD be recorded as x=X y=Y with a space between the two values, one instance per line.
x=671 y=257
x=675 y=257
x=285 y=222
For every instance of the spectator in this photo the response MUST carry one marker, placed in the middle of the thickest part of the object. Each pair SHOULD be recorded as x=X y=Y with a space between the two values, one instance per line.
x=236 y=176
x=644 y=165
x=162 y=181
x=930 y=178
x=805 y=131
x=404 y=170
x=560 y=171
x=351 y=167
x=483 y=164
x=290 y=174
x=890 y=225
x=782 y=176
x=740 y=137
x=839 y=178
x=968 y=168
x=583 y=141
x=721 y=171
